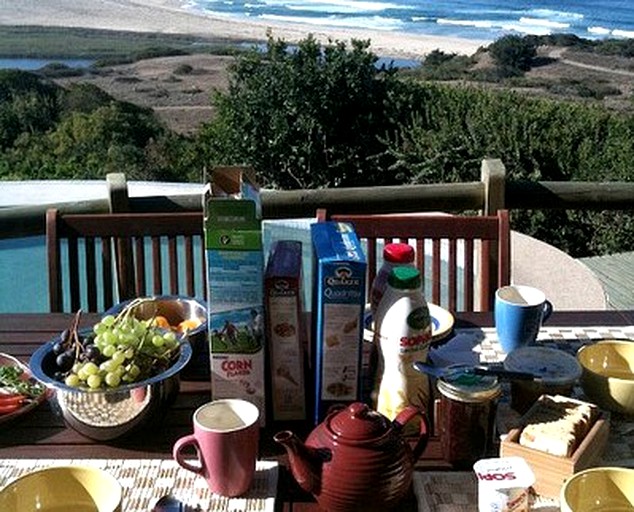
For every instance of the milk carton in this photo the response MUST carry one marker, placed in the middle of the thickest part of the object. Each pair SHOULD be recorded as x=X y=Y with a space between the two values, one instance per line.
x=285 y=330
x=503 y=484
x=235 y=271
x=337 y=313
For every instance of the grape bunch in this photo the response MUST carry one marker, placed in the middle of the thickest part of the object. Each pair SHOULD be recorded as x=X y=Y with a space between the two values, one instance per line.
x=120 y=350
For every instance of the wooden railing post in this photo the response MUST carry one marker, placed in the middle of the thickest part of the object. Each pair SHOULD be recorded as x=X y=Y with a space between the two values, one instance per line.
x=493 y=175
x=118 y=202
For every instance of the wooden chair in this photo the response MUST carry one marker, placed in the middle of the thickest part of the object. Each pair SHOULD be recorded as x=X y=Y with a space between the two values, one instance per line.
x=463 y=258
x=96 y=260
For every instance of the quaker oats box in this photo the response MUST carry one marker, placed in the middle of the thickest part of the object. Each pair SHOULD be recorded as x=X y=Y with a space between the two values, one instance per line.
x=339 y=275
x=285 y=330
x=235 y=273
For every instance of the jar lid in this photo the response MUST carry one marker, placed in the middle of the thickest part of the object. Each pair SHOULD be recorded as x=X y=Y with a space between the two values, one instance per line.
x=553 y=366
x=404 y=278
x=398 y=252
x=465 y=386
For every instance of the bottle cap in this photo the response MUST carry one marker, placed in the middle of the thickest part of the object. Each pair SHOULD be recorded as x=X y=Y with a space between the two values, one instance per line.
x=404 y=278
x=398 y=252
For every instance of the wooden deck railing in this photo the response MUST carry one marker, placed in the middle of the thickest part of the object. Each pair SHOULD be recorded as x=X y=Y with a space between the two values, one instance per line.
x=488 y=195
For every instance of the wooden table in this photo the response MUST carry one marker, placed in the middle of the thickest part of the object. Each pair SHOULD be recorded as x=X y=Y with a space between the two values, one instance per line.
x=42 y=434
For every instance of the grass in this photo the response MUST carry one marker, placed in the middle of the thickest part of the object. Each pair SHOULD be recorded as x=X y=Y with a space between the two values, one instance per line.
x=79 y=43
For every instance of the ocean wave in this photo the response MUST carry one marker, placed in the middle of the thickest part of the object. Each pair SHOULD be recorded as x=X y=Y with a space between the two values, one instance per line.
x=334 y=6
x=537 y=22
x=379 y=23
x=552 y=14
x=628 y=34
x=467 y=23
x=601 y=31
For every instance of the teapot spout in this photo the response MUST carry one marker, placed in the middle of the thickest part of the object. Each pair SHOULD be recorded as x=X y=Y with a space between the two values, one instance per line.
x=305 y=461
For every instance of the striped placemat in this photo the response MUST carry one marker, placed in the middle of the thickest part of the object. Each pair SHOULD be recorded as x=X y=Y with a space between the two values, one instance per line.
x=144 y=481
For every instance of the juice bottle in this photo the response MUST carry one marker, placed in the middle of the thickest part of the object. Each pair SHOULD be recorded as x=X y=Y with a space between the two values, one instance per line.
x=404 y=327
x=394 y=254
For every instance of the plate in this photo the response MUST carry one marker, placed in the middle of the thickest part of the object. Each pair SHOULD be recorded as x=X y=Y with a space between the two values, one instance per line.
x=442 y=322
x=7 y=360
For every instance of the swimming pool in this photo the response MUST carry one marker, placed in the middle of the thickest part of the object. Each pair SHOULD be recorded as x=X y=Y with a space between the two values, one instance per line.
x=24 y=273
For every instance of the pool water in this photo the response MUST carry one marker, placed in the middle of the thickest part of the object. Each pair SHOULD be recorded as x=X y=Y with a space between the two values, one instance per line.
x=23 y=275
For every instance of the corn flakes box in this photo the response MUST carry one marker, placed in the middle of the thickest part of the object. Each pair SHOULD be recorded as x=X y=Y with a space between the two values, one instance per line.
x=235 y=271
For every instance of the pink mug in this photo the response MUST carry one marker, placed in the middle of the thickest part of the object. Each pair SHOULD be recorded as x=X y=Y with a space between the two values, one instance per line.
x=226 y=436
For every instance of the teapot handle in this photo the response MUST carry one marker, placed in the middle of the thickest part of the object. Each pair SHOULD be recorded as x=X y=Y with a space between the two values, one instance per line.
x=408 y=414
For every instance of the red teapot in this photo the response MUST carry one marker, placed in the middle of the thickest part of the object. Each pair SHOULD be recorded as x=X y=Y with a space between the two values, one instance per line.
x=356 y=459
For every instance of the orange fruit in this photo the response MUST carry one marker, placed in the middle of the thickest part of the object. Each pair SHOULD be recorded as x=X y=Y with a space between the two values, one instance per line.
x=161 y=321
x=188 y=325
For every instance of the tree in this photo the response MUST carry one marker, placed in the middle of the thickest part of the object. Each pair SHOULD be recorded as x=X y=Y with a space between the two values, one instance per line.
x=513 y=53
x=305 y=117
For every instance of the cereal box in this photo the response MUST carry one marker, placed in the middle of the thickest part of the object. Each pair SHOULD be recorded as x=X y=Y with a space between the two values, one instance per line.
x=285 y=330
x=235 y=271
x=338 y=309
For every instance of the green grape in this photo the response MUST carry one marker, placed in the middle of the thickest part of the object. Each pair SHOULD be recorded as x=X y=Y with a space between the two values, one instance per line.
x=113 y=379
x=107 y=366
x=72 y=380
x=158 y=340
x=133 y=370
x=109 y=338
x=118 y=357
x=81 y=374
x=129 y=353
x=108 y=320
x=108 y=350
x=91 y=368
x=93 y=381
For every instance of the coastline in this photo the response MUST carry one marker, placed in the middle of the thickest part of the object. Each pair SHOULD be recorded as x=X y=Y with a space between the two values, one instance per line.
x=173 y=17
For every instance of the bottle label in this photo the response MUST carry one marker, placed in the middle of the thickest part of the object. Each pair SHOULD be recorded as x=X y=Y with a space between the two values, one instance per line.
x=405 y=335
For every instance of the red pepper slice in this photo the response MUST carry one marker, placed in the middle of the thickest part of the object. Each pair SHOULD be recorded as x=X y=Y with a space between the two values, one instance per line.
x=11 y=399
x=8 y=408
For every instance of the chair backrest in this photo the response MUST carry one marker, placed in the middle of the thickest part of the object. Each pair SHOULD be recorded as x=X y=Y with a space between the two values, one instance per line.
x=463 y=258
x=100 y=259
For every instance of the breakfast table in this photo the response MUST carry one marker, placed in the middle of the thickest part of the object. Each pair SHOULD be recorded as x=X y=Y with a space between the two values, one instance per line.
x=143 y=461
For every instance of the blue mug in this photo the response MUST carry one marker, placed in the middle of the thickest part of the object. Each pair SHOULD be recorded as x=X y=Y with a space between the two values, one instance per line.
x=519 y=313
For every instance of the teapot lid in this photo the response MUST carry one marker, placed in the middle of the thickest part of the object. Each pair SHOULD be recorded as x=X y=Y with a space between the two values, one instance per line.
x=358 y=422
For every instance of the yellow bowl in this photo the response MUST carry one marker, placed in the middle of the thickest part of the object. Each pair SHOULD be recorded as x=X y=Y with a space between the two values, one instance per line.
x=608 y=374
x=70 y=488
x=600 y=489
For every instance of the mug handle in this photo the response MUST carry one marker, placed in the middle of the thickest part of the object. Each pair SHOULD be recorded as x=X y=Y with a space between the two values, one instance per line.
x=408 y=414
x=179 y=446
x=548 y=310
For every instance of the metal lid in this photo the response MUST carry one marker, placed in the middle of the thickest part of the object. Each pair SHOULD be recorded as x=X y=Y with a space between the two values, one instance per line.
x=465 y=386
x=551 y=365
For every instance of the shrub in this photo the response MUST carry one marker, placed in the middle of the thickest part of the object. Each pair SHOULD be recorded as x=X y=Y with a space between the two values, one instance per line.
x=513 y=52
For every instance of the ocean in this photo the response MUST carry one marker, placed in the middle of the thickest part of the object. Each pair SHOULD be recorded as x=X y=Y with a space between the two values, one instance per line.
x=471 y=19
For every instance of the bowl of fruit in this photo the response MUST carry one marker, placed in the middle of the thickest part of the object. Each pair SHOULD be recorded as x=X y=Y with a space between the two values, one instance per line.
x=115 y=377
x=186 y=316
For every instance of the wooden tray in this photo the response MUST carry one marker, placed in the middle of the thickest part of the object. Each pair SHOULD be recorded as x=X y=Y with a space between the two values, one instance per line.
x=551 y=471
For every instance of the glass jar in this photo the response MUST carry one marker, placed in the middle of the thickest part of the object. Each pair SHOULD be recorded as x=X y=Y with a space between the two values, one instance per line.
x=466 y=416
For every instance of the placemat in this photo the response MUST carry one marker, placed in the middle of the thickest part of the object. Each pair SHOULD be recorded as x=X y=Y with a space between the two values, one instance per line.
x=439 y=491
x=144 y=481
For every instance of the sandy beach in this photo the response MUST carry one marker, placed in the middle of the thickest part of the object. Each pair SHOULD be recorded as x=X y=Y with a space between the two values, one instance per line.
x=172 y=17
